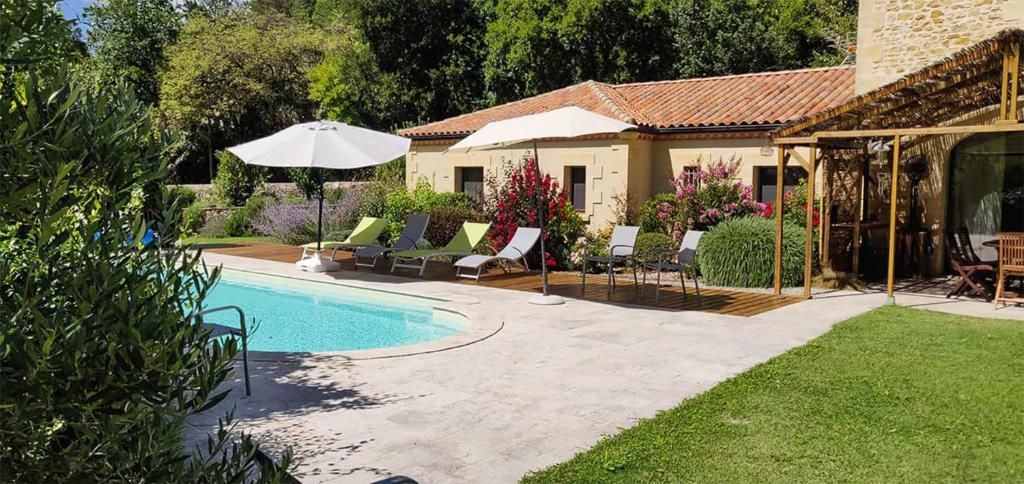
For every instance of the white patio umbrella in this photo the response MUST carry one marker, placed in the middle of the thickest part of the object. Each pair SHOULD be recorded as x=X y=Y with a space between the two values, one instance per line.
x=322 y=144
x=567 y=122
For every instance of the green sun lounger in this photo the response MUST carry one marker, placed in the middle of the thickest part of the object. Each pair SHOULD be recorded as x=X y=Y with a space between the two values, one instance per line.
x=468 y=237
x=365 y=234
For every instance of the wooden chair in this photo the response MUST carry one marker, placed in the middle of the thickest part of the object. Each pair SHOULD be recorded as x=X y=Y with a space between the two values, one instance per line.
x=969 y=269
x=1011 y=264
x=967 y=248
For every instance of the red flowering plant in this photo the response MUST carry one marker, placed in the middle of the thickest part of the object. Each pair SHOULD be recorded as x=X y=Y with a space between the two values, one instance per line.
x=713 y=194
x=794 y=206
x=511 y=202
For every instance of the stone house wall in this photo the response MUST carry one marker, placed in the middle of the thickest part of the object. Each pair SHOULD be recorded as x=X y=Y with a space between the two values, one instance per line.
x=897 y=37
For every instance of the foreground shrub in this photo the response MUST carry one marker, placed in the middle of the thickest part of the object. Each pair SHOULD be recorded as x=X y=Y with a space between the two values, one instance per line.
x=235 y=181
x=741 y=253
x=446 y=221
x=651 y=245
x=102 y=357
x=511 y=202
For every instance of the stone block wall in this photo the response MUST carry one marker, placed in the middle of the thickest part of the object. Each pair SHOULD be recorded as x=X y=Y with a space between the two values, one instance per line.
x=897 y=37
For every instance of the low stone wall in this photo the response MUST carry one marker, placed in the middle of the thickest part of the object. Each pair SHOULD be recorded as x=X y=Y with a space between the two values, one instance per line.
x=205 y=191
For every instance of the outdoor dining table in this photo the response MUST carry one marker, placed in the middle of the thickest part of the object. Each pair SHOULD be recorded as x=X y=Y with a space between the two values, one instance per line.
x=994 y=243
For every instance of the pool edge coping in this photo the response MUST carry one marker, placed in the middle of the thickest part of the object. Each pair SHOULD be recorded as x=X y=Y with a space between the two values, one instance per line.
x=479 y=325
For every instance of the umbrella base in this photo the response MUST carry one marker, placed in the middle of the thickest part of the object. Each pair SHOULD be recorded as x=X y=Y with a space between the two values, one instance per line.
x=549 y=300
x=315 y=263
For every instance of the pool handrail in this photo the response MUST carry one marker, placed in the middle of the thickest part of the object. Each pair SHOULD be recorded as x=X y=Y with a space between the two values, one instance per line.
x=240 y=331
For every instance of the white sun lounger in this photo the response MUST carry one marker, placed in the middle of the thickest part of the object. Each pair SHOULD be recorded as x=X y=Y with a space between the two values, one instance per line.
x=515 y=251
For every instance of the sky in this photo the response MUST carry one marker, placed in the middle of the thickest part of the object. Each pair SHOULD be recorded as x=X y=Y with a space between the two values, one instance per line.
x=73 y=9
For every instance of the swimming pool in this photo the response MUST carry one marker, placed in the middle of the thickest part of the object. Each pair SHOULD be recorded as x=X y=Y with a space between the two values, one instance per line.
x=299 y=316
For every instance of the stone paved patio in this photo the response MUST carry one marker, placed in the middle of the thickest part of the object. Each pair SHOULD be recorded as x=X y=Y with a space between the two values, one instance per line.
x=550 y=383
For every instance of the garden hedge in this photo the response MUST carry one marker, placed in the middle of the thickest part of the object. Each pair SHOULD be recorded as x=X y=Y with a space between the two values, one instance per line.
x=741 y=253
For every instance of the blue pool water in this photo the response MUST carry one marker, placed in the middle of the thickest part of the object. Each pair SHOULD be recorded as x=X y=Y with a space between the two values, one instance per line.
x=307 y=316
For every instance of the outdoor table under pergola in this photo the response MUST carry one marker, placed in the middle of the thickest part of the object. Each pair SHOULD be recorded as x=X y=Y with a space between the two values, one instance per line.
x=934 y=101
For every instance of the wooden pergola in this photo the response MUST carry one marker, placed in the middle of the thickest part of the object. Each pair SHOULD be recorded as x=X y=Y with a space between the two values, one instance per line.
x=932 y=101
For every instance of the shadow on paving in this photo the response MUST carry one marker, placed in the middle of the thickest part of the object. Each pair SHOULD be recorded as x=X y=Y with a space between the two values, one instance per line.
x=286 y=393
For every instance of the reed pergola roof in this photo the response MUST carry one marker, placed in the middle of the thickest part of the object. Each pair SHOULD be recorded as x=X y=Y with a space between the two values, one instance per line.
x=935 y=100
x=965 y=82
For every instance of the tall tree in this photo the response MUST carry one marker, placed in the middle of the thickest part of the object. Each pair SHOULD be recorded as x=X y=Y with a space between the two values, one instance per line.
x=235 y=78
x=534 y=46
x=404 y=62
x=717 y=37
x=129 y=39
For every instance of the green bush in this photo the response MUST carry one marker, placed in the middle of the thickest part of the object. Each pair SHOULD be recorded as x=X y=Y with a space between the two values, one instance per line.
x=308 y=181
x=192 y=218
x=184 y=196
x=239 y=223
x=741 y=253
x=649 y=246
x=235 y=181
x=445 y=222
x=103 y=359
x=650 y=221
x=236 y=225
x=399 y=203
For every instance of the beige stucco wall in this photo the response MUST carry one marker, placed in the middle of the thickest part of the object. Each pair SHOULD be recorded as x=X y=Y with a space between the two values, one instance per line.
x=607 y=163
x=897 y=37
x=614 y=166
x=674 y=155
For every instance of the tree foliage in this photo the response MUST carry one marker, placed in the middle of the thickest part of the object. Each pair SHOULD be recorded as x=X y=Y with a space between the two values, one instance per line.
x=236 y=78
x=721 y=37
x=405 y=62
x=536 y=46
x=129 y=39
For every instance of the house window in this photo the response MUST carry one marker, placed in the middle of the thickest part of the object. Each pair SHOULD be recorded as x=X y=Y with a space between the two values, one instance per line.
x=578 y=187
x=766 y=181
x=471 y=181
x=691 y=176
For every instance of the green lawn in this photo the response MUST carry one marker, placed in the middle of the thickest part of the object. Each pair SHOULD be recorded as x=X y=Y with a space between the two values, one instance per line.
x=894 y=395
x=223 y=240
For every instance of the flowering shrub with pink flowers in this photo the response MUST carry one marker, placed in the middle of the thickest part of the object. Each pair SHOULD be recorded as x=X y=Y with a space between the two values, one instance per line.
x=714 y=194
x=511 y=202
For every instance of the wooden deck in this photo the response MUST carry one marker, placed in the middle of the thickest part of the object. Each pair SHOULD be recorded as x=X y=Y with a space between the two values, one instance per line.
x=566 y=284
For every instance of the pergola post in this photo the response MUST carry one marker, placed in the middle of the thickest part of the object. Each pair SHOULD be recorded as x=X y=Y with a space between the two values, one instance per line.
x=1010 y=83
x=893 y=193
x=779 y=188
x=809 y=240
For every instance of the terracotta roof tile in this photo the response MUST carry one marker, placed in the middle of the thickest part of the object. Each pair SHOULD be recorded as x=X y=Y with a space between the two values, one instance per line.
x=767 y=98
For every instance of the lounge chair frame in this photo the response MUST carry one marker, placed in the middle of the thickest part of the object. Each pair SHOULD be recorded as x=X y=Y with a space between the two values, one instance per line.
x=406 y=262
x=412 y=232
x=514 y=252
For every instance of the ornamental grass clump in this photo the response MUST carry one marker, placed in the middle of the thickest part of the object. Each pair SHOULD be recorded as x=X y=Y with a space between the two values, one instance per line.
x=741 y=253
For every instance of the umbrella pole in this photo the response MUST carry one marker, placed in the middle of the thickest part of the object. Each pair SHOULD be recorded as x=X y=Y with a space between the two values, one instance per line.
x=320 y=218
x=540 y=219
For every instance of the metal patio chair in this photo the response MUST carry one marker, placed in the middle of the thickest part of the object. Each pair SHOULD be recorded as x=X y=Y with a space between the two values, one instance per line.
x=620 y=251
x=683 y=260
